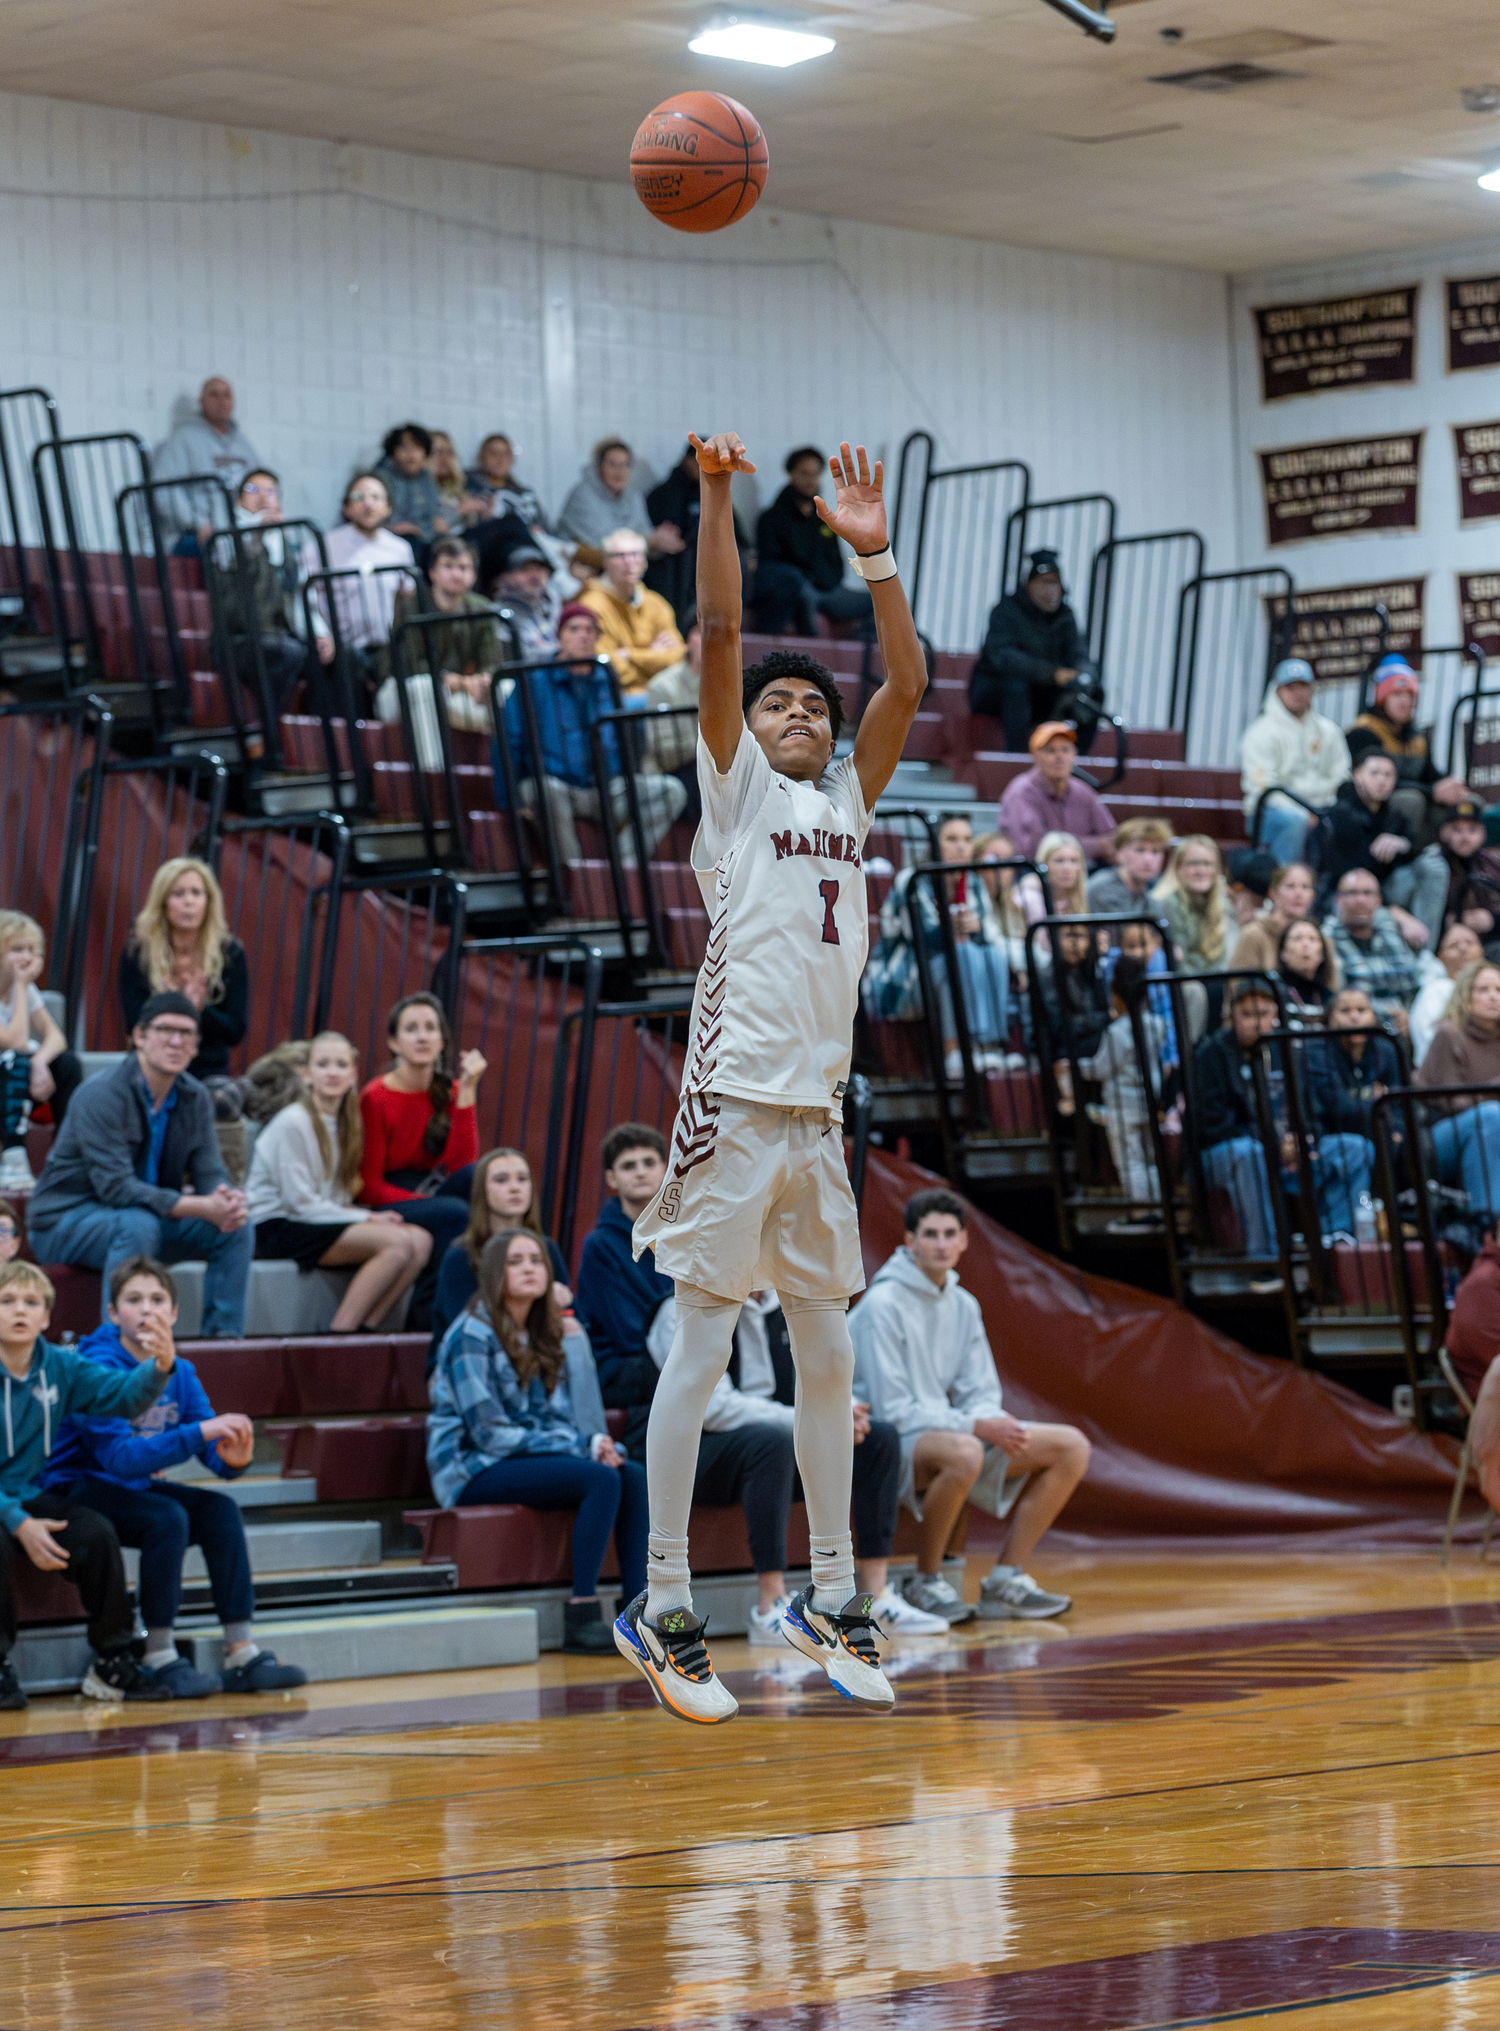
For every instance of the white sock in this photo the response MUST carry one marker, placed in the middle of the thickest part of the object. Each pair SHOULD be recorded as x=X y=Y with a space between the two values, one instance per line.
x=832 y=1571
x=668 y=1580
x=700 y=1352
x=241 y=1653
x=824 y=1435
x=155 y=1659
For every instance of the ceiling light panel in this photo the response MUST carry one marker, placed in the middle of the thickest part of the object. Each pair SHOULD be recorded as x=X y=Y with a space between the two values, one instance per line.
x=765 y=42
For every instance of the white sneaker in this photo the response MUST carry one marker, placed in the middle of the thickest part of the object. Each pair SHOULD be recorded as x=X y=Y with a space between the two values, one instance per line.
x=673 y=1660
x=953 y=1065
x=15 y=1171
x=1008 y=1594
x=765 y=1630
x=932 y=1594
x=844 y=1644
x=895 y=1616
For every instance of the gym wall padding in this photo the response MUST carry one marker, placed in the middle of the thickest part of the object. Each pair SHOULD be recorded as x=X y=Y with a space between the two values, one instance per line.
x=1193 y=1436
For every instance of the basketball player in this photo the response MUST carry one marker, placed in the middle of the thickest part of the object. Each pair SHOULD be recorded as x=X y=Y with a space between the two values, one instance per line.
x=756 y=1193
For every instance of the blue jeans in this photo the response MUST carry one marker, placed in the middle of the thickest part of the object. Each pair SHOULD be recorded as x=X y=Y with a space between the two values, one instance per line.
x=1467 y=1148
x=607 y=1498
x=92 y=1236
x=1342 y=1167
x=984 y=981
x=161 y=1522
x=1283 y=830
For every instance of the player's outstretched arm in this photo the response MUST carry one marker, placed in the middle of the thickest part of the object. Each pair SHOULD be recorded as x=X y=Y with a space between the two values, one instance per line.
x=858 y=515
x=721 y=692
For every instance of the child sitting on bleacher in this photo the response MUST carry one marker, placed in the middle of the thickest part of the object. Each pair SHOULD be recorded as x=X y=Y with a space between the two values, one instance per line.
x=300 y=1193
x=1126 y=1104
x=36 y=1065
x=115 y=1466
x=517 y=1417
x=503 y=1197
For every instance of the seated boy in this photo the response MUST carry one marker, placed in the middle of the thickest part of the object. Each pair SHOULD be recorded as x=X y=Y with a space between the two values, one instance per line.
x=41 y=1384
x=108 y=1464
x=923 y=1363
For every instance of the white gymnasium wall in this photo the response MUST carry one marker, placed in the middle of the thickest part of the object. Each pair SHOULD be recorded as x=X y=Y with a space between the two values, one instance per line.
x=343 y=290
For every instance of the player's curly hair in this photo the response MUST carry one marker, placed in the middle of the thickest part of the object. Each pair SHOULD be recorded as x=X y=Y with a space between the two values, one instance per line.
x=782 y=664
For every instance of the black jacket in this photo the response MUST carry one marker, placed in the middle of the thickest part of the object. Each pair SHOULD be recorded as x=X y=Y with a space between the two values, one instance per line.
x=1352 y=826
x=220 y=1026
x=100 y=1155
x=784 y=535
x=1410 y=748
x=1025 y=644
x=1226 y=1090
x=677 y=501
x=1336 y=1091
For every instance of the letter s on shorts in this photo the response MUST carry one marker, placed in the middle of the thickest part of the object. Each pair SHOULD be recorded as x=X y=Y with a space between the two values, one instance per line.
x=670 y=1204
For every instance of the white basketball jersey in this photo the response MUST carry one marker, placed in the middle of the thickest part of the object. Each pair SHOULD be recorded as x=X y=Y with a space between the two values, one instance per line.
x=781 y=867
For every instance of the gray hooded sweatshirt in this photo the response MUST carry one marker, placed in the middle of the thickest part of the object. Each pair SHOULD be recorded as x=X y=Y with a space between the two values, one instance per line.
x=591 y=512
x=922 y=1359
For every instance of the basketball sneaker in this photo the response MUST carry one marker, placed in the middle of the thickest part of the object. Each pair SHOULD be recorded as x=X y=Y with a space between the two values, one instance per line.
x=1009 y=1594
x=844 y=1644
x=934 y=1596
x=672 y=1658
x=763 y=1625
x=895 y=1616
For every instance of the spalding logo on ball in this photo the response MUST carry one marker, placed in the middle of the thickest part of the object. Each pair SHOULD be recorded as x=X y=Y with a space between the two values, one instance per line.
x=699 y=161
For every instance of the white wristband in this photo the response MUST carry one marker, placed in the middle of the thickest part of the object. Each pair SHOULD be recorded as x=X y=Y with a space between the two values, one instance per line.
x=872 y=569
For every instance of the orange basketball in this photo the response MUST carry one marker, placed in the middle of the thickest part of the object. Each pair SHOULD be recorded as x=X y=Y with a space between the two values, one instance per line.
x=699 y=161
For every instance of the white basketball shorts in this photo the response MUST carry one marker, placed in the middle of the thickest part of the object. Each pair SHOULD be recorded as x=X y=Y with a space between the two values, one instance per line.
x=755 y=1198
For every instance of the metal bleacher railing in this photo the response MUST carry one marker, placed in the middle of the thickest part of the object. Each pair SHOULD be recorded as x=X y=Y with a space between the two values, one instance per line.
x=946 y=522
x=28 y=417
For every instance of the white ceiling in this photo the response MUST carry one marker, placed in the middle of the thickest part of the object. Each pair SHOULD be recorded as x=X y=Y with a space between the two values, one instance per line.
x=991 y=118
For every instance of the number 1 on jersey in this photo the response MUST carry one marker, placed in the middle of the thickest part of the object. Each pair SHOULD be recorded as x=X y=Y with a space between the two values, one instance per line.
x=829 y=891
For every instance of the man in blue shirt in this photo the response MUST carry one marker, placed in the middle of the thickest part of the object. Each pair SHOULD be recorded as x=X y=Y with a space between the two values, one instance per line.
x=137 y=1171
x=112 y=1465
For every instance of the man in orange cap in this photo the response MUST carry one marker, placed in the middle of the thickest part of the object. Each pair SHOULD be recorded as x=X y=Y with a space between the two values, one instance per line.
x=1048 y=798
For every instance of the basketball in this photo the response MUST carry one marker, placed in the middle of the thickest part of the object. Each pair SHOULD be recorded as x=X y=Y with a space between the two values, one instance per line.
x=699 y=161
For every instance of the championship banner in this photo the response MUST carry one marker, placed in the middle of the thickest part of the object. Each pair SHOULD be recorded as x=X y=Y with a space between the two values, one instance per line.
x=1474 y=323
x=1335 y=489
x=1337 y=630
x=1476 y=447
x=1348 y=342
x=1479 y=606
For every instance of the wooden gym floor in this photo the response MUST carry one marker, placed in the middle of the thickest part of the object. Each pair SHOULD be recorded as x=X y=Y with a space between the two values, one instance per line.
x=1231 y=1789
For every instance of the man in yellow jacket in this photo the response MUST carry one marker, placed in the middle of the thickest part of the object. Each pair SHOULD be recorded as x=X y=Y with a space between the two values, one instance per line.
x=637 y=628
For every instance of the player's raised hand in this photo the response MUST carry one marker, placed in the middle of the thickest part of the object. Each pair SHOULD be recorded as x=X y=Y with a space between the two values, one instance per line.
x=858 y=511
x=721 y=453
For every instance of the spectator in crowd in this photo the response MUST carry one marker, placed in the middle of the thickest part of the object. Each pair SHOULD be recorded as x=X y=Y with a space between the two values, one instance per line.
x=304 y=1173
x=137 y=1171
x=1465 y=1051
x=1074 y=1010
x=501 y=1197
x=619 y=1297
x=672 y=744
x=1034 y=664
x=1370 y=949
x=1290 y=747
x=1290 y=894
x=569 y=697
x=1193 y=897
x=1249 y=871
x=1366 y=830
x=421 y=1134
x=637 y=629
x=674 y=505
x=1460 y=947
x=1060 y=857
x=1473 y=870
x=1389 y=728
x=210 y=442
x=799 y=565
x=923 y=1363
x=1228 y=1123
x=266 y=622
x=1128 y=1104
x=1141 y=846
x=1010 y=916
x=181 y=941
x=1308 y=970
x=492 y=481
x=36 y=1067
x=1047 y=798
x=517 y=1417
x=759 y=1387
x=114 y=1465
x=524 y=585
x=461 y=507
x=375 y=567
x=1344 y=1072
x=10 y=1232
x=607 y=496
x=416 y=505
x=43 y=1384
x=459 y=636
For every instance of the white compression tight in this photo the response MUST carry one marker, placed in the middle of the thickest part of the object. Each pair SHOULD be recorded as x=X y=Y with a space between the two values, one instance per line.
x=823 y=1433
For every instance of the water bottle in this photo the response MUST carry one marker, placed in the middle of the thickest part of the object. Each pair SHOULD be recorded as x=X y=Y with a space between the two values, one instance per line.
x=1364 y=1219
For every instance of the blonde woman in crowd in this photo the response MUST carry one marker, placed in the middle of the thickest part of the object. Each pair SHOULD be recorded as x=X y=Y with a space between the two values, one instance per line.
x=1193 y=897
x=181 y=942
x=1061 y=855
x=1289 y=900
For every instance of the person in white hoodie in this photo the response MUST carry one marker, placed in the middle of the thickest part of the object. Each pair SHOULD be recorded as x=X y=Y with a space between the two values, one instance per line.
x=1290 y=747
x=923 y=1362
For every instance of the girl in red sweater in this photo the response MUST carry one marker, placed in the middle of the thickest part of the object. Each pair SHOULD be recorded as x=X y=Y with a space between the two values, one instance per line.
x=422 y=1134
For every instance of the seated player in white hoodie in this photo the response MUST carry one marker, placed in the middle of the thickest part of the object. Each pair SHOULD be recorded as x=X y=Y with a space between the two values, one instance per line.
x=923 y=1363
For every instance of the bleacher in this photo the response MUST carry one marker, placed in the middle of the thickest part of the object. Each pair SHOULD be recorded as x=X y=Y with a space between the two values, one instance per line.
x=361 y=860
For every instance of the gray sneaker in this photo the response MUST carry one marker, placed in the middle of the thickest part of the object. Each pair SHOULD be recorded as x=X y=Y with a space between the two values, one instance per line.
x=932 y=1593
x=1007 y=1594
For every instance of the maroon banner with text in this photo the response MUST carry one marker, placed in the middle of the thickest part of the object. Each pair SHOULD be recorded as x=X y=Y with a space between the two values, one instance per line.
x=1476 y=448
x=1474 y=323
x=1345 y=342
x=1337 y=629
x=1341 y=488
x=1479 y=607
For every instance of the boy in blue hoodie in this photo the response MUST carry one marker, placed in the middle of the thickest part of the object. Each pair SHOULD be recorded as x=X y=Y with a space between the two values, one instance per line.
x=108 y=1465
x=41 y=1384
